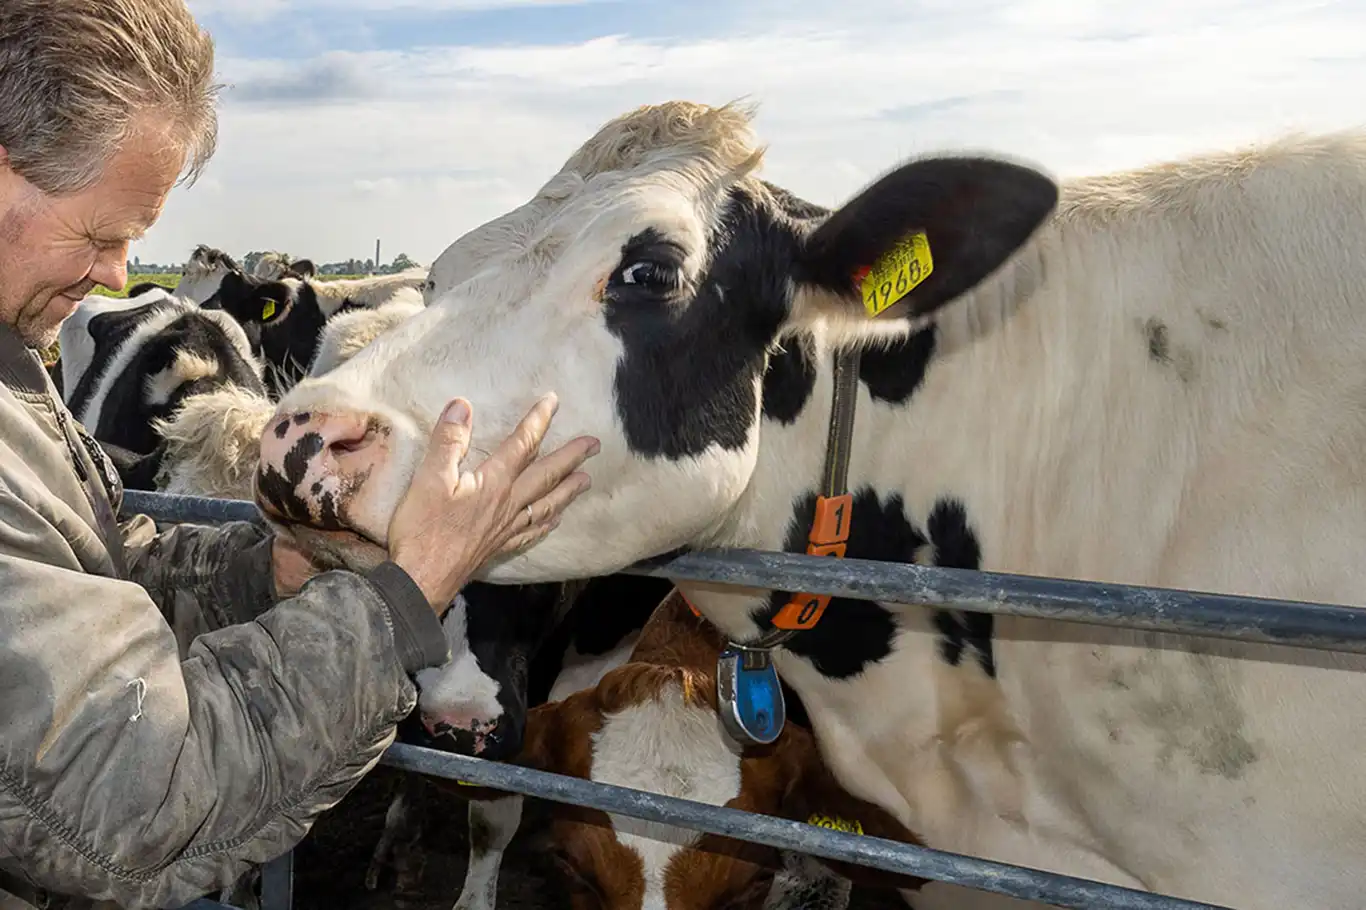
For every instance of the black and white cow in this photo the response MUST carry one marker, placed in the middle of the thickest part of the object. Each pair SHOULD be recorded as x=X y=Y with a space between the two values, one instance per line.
x=129 y=365
x=285 y=317
x=204 y=272
x=273 y=266
x=512 y=647
x=1150 y=377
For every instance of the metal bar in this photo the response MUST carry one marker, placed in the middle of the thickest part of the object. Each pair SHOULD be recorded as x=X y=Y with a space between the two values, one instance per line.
x=878 y=853
x=189 y=509
x=1328 y=627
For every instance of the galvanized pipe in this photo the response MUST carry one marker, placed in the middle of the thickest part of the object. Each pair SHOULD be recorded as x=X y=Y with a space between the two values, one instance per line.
x=1326 y=627
x=878 y=853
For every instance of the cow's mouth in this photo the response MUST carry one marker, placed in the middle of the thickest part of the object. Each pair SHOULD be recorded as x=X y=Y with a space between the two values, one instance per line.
x=330 y=548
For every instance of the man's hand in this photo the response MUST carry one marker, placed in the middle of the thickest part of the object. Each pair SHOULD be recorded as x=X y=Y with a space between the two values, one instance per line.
x=292 y=568
x=451 y=521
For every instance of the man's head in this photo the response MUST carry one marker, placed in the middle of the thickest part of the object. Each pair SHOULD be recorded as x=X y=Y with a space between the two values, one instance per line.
x=103 y=103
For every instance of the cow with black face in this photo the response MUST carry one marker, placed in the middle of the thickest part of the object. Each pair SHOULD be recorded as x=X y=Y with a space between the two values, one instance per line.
x=285 y=317
x=1151 y=377
x=128 y=365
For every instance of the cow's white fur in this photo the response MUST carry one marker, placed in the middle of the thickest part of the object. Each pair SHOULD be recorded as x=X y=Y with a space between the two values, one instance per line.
x=213 y=441
x=213 y=444
x=669 y=746
x=346 y=333
x=458 y=690
x=202 y=277
x=1216 y=771
x=371 y=291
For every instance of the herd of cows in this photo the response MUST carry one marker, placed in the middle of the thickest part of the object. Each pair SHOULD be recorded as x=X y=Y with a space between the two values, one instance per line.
x=1151 y=377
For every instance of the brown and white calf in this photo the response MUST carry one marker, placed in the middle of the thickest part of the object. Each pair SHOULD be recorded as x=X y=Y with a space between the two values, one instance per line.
x=651 y=724
x=1152 y=377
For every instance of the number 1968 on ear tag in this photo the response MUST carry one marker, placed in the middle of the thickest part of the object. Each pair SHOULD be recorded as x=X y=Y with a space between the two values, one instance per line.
x=896 y=273
x=750 y=697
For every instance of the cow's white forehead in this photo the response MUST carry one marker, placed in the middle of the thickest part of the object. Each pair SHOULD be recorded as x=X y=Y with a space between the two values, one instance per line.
x=665 y=745
x=669 y=163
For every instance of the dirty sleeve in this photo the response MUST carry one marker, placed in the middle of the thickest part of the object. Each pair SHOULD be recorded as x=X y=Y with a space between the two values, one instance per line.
x=138 y=771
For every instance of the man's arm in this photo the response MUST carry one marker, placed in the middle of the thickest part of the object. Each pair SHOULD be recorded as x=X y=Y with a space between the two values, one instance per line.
x=127 y=774
x=201 y=577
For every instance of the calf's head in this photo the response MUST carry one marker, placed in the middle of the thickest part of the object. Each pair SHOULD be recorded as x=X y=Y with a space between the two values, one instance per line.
x=646 y=284
x=654 y=727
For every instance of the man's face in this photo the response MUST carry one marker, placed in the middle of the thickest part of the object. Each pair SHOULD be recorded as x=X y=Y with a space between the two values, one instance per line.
x=55 y=249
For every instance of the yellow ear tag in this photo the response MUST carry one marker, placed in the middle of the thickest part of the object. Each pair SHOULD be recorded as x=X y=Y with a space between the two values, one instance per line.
x=268 y=310
x=835 y=824
x=896 y=273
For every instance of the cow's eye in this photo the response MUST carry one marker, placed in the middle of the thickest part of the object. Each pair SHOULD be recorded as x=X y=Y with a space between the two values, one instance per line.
x=647 y=273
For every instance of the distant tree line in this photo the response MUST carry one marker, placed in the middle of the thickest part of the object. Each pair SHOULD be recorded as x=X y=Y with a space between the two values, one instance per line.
x=249 y=262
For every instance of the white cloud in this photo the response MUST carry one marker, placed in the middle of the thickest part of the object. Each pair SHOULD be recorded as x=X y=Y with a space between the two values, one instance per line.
x=320 y=157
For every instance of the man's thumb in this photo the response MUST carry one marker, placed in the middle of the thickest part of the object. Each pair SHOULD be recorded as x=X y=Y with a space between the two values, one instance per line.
x=451 y=438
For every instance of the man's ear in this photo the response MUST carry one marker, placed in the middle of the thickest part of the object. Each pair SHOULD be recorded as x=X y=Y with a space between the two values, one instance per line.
x=927 y=232
x=814 y=796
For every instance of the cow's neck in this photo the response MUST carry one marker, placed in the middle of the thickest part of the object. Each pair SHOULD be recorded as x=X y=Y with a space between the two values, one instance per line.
x=978 y=448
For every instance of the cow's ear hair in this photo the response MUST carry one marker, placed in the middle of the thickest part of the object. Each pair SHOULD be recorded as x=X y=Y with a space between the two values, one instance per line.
x=951 y=220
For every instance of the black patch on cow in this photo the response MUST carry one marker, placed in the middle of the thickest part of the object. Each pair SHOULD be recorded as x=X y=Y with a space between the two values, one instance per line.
x=788 y=381
x=687 y=378
x=853 y=633
x=1159 y=343
x=607 y=610
x=893 y=373
x=136 y=471
x=126 y=414
x=143 y=287
x=279 y=490
x=288 y=341
x=109 y=332
x=956 y=547
x=504 y=625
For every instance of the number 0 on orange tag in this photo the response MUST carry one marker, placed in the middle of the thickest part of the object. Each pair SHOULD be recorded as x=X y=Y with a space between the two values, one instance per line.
x=896 y=273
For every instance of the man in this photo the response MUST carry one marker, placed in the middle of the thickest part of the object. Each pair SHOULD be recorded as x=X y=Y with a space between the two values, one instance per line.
x=164 y=721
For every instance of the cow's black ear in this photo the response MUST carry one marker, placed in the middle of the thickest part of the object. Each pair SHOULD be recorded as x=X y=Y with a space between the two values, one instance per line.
x=925 y=233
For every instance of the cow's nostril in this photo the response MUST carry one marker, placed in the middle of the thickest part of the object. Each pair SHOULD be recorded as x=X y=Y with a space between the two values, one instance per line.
x=346 y=446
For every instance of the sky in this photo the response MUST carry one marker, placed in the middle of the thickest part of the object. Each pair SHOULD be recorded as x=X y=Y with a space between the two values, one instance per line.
x=414 y=121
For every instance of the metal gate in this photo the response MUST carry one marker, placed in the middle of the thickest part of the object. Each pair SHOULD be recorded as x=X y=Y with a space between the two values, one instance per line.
x=906 y=587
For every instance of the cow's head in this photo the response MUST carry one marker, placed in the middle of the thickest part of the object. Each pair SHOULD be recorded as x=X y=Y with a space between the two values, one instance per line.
x=646 y=284
x=204 y=272
x=127 y=364
x=655 y=728
x=283 y=318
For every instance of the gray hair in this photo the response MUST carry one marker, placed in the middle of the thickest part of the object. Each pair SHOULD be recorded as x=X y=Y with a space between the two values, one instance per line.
x=77 y=75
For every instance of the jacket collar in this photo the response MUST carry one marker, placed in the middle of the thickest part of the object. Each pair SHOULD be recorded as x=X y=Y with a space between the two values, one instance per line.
x=21 y=369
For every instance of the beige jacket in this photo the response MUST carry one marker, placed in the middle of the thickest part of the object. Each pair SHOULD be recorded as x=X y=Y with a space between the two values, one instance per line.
x=146 y=758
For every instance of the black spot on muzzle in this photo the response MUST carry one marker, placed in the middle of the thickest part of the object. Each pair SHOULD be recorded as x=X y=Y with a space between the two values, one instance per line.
x=279 y=491
x=500 y=743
